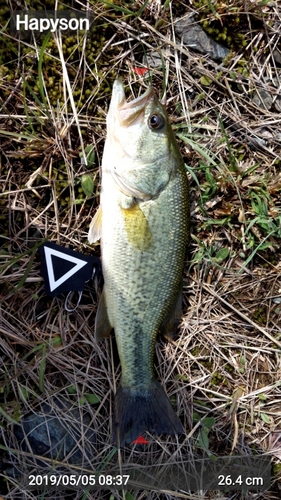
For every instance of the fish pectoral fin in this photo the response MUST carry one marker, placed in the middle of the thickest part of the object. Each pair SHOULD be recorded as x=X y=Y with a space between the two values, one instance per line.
x=102 y=324
x=137 y=228
x=170 y=324
x=95 y=227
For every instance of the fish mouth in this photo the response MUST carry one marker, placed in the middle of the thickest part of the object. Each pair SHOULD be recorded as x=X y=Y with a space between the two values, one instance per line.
x=132 y=111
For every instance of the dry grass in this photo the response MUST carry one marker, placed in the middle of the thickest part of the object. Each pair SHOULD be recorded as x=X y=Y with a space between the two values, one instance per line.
x=225 y=364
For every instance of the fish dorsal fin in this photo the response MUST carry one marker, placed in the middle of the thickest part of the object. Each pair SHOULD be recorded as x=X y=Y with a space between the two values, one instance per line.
x=102 y=324
x=95 y=227
x=137 y=228
x=169 y=326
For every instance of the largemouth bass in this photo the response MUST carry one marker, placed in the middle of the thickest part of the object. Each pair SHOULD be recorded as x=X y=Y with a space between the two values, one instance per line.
x=143 y=223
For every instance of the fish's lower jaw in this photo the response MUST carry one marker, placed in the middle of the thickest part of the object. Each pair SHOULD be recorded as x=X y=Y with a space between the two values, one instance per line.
x=137 y=412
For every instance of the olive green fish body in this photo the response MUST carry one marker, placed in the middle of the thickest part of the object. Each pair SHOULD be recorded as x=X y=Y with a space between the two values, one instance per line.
x=143 y=230
x=142 y=285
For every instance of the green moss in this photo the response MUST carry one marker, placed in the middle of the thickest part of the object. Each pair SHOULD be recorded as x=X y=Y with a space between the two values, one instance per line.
x=195 y=351
x=217 y=379
x=277 y=470
x=227 y=22
x=259 y=315
x=229 y=368
x=207 y=365
x=74 y=49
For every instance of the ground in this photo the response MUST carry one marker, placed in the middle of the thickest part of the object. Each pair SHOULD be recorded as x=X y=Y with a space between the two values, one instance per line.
x=222 y=373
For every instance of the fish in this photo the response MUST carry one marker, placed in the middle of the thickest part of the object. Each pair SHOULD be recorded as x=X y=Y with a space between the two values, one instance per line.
x=143 y=225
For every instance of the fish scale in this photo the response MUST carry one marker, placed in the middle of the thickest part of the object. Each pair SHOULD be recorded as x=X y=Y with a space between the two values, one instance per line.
x=143 y=224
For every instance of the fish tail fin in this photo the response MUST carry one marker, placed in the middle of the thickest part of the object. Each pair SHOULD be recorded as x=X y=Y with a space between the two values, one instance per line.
x=143 y=411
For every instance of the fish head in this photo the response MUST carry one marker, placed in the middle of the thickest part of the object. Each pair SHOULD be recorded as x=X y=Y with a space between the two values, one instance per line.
x=140 y=151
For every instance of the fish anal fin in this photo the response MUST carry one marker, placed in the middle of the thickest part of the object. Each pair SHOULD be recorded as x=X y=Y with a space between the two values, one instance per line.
x=169 y=326
x=137 y=228
x=95 y=227
x=102 y=324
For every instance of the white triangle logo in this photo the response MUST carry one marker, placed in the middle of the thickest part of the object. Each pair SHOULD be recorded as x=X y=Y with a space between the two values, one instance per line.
x=53 y=283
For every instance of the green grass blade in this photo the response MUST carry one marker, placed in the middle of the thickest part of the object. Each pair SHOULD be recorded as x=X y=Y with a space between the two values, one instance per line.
x=197 y=148
x=10 y=419
x=40 y=71
x=42 y=369
x=27 y=271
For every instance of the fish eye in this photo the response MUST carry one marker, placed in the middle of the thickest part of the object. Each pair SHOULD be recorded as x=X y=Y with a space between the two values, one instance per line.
x=156 y=122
